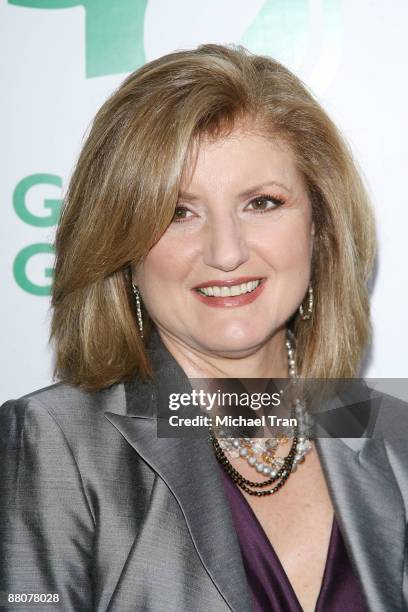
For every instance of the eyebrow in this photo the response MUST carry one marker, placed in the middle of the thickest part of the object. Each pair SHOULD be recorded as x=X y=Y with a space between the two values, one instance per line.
x=185 y=195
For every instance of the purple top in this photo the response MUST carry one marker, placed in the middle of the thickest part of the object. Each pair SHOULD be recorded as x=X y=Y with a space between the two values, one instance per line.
x=268 y=583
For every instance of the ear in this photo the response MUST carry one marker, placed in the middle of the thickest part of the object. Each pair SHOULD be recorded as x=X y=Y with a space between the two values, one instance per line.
x=133 y=268
x=312 y=230
x=312 y=237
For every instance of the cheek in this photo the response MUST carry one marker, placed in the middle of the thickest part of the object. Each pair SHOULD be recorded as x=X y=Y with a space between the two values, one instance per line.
x=287 y=245
x=167 y=262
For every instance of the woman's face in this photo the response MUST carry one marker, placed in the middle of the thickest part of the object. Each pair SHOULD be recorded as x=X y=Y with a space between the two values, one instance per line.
x=234 y=264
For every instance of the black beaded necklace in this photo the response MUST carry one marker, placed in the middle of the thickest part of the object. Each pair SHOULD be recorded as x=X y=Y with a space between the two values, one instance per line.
x=244 y=483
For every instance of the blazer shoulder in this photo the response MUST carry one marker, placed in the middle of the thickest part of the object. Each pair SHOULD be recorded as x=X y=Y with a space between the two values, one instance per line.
x=78 y=414
x=60 y=398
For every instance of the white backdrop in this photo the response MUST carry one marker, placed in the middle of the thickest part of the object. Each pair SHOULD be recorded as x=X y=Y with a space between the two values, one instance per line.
x=61 y=59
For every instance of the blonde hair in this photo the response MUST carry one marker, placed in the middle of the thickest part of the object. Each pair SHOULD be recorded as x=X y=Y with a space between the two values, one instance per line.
x=124 y=190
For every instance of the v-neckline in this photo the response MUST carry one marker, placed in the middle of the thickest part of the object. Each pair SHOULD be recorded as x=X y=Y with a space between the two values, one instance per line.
x=278 y=563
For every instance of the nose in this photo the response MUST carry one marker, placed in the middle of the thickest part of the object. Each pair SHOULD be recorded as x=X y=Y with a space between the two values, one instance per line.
x=226 y=246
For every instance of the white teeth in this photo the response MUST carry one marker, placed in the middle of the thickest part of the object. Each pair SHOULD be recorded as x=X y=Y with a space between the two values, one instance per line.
x=217 y=291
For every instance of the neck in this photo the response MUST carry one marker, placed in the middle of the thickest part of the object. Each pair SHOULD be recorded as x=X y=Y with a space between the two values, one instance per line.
x=266 y=361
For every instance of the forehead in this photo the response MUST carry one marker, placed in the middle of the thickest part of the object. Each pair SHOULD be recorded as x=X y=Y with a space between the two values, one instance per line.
x=238 y=158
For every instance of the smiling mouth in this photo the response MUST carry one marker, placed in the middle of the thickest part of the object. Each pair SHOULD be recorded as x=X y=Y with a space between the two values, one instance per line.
x=232 y=291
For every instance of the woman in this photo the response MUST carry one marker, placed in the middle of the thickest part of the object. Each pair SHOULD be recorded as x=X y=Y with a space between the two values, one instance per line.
x=215 y=227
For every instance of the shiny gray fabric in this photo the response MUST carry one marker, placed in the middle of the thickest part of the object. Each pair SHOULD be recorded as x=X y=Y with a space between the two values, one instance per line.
x=95 y=507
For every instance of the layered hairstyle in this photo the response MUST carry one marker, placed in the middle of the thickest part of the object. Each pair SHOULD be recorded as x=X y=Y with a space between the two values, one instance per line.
x=124 y=190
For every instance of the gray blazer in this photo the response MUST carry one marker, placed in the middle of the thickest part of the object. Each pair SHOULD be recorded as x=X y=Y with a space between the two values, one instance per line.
x=96 y=508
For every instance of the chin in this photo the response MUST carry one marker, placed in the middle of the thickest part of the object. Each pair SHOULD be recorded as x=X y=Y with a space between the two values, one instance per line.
x=234 y=345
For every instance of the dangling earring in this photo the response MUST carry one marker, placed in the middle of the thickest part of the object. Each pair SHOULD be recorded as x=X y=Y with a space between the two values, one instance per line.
x=306 y=315
x=136 y=293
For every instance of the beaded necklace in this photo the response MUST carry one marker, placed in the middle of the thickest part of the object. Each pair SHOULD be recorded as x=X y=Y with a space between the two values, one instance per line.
x=260 y=453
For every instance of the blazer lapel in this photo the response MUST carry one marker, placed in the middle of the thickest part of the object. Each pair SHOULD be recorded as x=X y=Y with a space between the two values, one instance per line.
x=371 y=515
x=191 y=471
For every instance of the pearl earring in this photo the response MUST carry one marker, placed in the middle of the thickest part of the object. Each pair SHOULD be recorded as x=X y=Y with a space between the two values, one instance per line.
x=136 y=293
x=307 y=315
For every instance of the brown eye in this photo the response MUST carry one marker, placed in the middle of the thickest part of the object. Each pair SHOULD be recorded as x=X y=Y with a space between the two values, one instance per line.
x=260 y=204
x=180 y=213
x=264 y=203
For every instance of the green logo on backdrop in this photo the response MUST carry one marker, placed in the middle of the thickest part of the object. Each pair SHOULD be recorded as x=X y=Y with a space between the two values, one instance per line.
x=113 y=32
x=20 y=269
x=20 y=200
x=53 y=208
